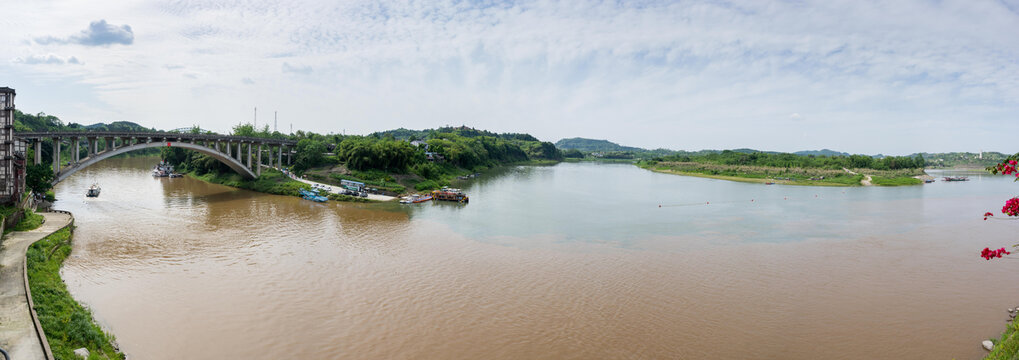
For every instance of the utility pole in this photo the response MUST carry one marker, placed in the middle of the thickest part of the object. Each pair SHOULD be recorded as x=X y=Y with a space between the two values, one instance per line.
x=256 y=119
x=275 y=121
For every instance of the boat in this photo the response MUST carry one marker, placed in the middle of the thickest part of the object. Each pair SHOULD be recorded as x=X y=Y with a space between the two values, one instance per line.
x=450 y=194
x=956 y=178
x=928 y=181
x=414 y=199
x=93 y=191
x=163 y=169
x=769 y=183
x=312 y=195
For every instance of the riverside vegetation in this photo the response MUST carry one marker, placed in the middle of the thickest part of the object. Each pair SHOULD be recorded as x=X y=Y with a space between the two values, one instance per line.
x=792 y=169
x=67 y=324
x=394 y=162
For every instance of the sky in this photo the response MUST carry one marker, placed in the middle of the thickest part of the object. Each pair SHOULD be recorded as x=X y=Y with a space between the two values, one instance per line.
x=891 y=77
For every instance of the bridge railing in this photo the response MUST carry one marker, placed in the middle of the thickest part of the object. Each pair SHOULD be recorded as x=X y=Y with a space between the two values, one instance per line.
x=152 y=135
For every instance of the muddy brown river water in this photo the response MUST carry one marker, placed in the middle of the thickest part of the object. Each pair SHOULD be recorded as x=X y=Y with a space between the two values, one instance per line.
x=573 y=261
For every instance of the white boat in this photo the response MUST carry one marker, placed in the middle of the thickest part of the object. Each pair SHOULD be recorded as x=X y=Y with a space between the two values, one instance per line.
x=93 y=191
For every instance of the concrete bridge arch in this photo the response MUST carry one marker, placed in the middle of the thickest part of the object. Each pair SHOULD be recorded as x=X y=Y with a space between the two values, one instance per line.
x=233 y=163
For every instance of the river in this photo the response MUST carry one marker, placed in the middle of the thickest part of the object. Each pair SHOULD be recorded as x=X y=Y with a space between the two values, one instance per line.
x=572 y=261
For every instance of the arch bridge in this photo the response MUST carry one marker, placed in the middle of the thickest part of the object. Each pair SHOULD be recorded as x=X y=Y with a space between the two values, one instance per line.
x=229 y=150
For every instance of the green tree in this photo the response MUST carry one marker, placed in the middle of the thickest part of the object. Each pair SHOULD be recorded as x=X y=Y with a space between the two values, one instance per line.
x=39 y=177
x=310 y=154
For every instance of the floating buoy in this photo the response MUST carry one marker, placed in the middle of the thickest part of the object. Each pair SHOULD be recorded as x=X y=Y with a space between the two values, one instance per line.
x=707 y=202
x=659 y=205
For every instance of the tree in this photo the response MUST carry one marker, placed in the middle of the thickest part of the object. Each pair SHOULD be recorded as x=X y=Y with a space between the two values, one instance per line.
x=309 y=154
x=39 y=177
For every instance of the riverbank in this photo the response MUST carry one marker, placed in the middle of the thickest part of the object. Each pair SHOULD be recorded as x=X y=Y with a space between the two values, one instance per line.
x=784 y=176
x=423 y=178
x=67 y=324
x=272 y=181
x=1006 y=347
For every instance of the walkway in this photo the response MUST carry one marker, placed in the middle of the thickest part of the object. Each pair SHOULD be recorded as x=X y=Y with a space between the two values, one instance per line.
x=17 y=329
x=866 y=181
x=336 y=189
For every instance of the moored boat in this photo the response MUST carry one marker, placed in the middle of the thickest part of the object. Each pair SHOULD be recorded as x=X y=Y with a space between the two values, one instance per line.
x=93 y=191
x=956 y=178
x=450 y=194
x=414 y=199
x=312 y=195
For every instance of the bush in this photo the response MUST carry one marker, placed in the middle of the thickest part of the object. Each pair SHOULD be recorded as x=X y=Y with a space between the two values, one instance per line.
x=426 y=185
x=30 y=221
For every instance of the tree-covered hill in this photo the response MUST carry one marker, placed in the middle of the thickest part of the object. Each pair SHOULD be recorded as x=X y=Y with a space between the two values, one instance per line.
x=594 y=145
x=44 y=122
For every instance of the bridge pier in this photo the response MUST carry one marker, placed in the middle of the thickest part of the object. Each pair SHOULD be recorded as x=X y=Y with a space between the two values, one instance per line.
x=56 y=155
x=74 y=150
x=38 y=151
x=93 y=148
x=258 y=166
x=279 y=158
x=239 y=151
x=249 y=155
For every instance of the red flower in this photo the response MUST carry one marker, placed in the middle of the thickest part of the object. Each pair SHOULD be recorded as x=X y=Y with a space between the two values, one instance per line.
x=1011 y=207
x=989 y=254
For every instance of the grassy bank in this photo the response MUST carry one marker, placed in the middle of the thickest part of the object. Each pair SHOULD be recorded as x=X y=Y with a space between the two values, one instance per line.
x=271 y=182
x=900 y=181
x=1007 y=346
x=67 y=324
x=782 y=175
x=851 y=180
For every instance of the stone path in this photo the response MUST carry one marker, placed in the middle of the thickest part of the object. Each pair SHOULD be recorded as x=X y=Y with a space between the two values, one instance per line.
x=17 y=329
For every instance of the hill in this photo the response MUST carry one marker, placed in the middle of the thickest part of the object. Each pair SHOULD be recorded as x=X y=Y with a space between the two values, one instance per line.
x=43 y=122
x=593 y=145
x=822 y=152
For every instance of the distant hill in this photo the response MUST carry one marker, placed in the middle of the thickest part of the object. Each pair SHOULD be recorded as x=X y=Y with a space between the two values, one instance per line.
x=593 y=145
x=822 y=152
x=408 y=134
x=43 y=122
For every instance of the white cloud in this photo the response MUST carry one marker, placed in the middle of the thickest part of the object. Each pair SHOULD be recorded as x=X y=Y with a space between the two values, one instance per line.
x=690 y=75
x=98 y=33
x=46 y=60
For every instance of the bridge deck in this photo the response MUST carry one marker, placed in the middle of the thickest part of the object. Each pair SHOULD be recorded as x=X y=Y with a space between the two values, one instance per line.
x=151 y=135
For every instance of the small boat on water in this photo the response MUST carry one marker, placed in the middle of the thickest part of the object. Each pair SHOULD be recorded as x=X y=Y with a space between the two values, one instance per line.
x=312 y=195
x=956 y=178
x=769 y=183
x=164 y=169
x=929 y=181
x=93 y=191
x=414 y=199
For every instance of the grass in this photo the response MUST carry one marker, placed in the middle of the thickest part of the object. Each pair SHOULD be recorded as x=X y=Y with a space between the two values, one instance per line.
x=1006 y=347
x=902 y=181
x=785 y=176
x=271 y=182
x=67 y=324
x=30 y=221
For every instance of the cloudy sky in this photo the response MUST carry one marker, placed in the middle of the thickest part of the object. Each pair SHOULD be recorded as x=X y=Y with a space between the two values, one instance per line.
x=891 y=77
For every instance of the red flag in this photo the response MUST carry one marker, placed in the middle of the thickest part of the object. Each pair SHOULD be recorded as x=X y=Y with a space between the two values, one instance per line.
x=167 y=144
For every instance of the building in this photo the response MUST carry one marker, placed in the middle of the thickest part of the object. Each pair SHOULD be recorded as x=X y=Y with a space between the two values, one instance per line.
x=12 y=152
